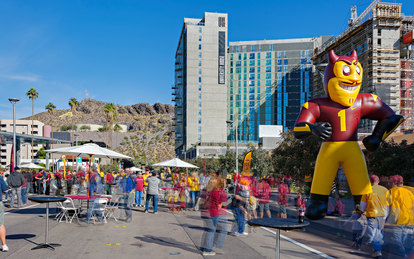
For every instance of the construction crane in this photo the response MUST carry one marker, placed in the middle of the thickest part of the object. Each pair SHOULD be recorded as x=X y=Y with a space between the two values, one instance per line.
x=354 y=20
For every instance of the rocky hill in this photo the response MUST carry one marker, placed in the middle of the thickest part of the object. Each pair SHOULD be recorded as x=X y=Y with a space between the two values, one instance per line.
x=150 y=136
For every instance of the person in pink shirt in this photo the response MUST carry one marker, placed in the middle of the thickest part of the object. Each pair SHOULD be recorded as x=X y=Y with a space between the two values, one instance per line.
x=264 y=192
x=139 y=188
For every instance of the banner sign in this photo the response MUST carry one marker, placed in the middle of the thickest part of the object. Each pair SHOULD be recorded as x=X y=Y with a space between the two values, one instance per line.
x=222 y=57
x=246 y=164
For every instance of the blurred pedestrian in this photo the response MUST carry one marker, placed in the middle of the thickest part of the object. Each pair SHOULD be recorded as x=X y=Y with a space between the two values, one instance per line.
x=264 y=192
x=283 y=198
x=401 y=217
x=359 y=226
x=139 y=188
x=375 y=206
x=194 y=183
x=16 y=181
x=3 y=188
x=239 y=203
x=152 y=192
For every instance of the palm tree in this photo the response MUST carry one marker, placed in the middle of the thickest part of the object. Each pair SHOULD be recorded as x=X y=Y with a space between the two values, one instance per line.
x=111 y=112
x=73 y=103
x=33 y=95
x=50 y=108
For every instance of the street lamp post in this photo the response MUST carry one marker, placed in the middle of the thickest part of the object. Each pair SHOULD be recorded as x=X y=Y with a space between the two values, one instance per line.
x=237 y=150
x=14 y=101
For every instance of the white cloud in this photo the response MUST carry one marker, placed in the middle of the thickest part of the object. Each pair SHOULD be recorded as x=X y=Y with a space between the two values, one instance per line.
x=27 y=78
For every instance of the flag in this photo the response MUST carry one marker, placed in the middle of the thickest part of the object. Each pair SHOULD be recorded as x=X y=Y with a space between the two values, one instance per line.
x=64 y=166
x=246 y=164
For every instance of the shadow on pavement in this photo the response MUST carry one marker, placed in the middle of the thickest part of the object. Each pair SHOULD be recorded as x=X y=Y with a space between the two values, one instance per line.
x=22 y=236
x=165 y=241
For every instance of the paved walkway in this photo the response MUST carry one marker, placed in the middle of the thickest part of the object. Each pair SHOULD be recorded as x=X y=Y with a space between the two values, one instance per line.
x=165 y=235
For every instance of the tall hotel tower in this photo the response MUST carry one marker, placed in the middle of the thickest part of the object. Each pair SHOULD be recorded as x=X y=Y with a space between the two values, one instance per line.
x=200 y=87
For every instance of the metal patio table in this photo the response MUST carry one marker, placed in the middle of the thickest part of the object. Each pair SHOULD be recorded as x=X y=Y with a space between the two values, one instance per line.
x=278 y=224
x=47 y=200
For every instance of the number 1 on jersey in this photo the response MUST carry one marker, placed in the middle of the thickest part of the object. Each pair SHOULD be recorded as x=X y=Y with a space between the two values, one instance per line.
x=342 y=117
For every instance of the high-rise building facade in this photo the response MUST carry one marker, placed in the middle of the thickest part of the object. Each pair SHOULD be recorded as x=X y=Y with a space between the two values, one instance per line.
x=268 y=82
x=387 y=67
x=200 y=87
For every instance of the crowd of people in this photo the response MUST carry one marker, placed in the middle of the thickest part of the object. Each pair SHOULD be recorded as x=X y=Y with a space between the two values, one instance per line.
x=393 y=208
x=250 y=197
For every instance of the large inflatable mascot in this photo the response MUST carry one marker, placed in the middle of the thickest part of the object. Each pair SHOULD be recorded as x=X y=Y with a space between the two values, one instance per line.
x=335 y=119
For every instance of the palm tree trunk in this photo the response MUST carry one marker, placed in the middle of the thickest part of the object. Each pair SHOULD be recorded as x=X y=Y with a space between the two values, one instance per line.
x=31 y=131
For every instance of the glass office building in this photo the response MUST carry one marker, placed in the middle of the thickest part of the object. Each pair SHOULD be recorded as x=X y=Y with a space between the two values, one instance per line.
x=268 y=82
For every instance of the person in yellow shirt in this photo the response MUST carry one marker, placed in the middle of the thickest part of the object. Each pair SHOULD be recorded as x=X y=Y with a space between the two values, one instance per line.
x=194 y=183
x=145 y=176
x=375 y=205
x=401 y=217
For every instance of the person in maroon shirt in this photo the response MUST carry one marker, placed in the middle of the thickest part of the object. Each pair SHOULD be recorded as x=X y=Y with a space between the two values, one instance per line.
x=211 y=215
x=39 y=181
x=338 y=116
x=139 y=188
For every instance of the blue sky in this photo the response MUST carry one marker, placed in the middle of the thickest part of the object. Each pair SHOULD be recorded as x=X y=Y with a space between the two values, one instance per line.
x=123 y=51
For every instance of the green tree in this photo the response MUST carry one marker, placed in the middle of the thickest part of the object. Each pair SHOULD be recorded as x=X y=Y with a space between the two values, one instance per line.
x=392 y=158
x=295 y=157
x=33 y=95
x=50 y=108
x=85 y=127
x=41 y=154
x=117 y=128
x=111 y=113
x=227 y=162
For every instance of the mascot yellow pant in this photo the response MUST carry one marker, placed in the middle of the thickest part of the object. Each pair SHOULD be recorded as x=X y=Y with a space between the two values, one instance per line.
x=347 y=154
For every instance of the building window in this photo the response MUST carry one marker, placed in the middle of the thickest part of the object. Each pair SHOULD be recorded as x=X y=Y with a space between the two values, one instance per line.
x=200 y=30
x=268 y=54
x=251 y=69
x=258 y=62
x=222 y=22
x=253 y=48
x=271 y=47
x=199 y=79
x=268 y=62
x=269 y=76
x=379 y=41
x=199 y=63
x=199 y=54
x=231 y=56
x=251 y=63
x=252 y=55
x=285 y=62
x=199 y=71
x=199 y=46
x=199 y=128
x=260 y=49
x=258 y=84
x=268 y=82
x=268 y=89
x=269 y=69
x=251 y=83
x=199 y=38
x=379 y=32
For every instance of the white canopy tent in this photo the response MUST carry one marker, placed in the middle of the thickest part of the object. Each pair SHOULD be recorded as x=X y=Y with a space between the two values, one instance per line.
x=31 y=166
x=135 y=169
x=88 y=150
x=175 y=162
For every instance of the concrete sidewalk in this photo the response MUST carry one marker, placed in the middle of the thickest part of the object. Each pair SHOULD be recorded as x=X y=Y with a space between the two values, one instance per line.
x=167 y=234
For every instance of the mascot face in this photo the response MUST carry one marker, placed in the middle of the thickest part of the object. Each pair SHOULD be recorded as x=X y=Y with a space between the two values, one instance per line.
x=343 y=77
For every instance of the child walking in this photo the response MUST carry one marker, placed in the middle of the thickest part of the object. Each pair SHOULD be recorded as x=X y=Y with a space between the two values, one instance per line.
x=359 y=226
